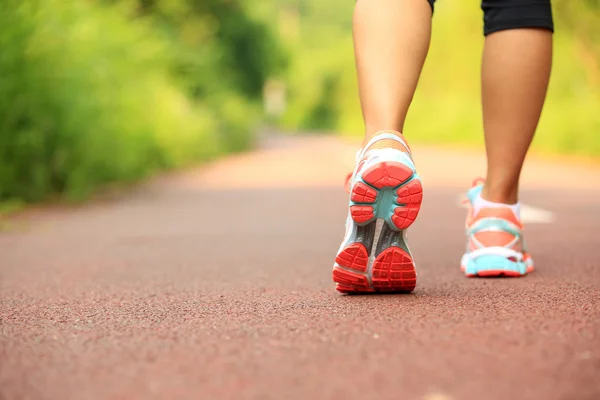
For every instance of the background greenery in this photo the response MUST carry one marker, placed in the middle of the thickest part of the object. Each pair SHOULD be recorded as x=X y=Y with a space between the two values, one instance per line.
x=93 y=92
x=100 y=91
x=446 y=109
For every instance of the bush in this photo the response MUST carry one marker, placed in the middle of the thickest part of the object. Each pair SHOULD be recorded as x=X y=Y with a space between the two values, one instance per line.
x=89 y=95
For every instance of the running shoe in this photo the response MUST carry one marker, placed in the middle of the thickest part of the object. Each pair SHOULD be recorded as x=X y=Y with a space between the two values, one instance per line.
x=383 y=187
x=495 y=245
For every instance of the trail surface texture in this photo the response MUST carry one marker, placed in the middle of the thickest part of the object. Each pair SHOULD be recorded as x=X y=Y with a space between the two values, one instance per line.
x=215 y=283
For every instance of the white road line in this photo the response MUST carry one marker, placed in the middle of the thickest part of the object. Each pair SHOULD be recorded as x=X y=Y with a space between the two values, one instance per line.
x=529 y=214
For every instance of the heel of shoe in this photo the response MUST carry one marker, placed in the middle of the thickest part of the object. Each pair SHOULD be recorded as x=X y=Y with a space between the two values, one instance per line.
x=390 y=190
x=394 y=270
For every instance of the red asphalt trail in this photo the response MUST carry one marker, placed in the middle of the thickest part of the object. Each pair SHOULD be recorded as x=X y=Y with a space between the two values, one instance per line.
x=215 y=283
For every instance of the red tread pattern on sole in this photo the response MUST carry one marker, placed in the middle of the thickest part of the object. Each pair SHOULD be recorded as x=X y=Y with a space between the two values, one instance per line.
x=411 y=195
x=394 y=270
x=351 y=281
x=354 y=256
x=387 y=174
x=362 y=214
x=405 y=216
x=362 y=193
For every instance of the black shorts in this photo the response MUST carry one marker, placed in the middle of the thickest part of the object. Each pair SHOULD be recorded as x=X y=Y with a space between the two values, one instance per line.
x=499 y=15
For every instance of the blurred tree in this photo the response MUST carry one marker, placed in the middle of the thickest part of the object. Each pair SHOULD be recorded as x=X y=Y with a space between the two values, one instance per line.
x=323 y=91
x=100 y=91
x=582 y=18
x=217 y=43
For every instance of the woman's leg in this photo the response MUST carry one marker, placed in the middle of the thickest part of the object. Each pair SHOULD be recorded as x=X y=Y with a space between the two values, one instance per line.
x=515 y=73
x=391 y=41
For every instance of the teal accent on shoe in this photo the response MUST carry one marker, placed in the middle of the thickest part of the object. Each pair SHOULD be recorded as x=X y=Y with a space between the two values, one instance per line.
x=474 y=192
x=494 y=263
x=386 y=203
x=491 y=224
x=408 y=161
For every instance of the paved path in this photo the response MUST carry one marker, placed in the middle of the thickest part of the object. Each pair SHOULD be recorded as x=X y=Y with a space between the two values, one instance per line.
x=215 y=284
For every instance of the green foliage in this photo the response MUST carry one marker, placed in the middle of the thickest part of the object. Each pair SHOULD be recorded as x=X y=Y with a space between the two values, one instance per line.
x=320 y=76
x=92 y=92
x=219 y=39
x=99 y=91
x=224 y=55
x=446 y=108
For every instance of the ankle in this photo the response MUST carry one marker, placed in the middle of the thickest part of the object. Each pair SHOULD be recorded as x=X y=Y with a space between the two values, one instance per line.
x=373 y=128
x=500 y=194
x=479 y=203
x=386 y=143
x=369 y=134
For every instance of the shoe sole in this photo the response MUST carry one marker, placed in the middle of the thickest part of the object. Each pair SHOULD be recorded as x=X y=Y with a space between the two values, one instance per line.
x=392 y=192
x=493 y=266
x=496 y=274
